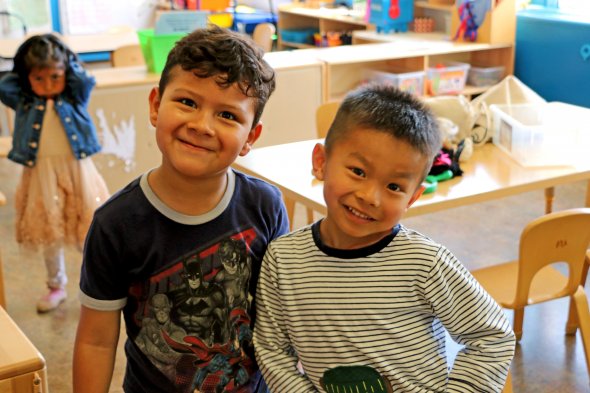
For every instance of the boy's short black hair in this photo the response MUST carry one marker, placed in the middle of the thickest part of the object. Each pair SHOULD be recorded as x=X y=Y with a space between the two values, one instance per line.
x=228 y=56
x=387 y=109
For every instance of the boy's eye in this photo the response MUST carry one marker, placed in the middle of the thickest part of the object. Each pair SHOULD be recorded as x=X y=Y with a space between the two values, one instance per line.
x=187 y=102
x=358 y=172
x=227 y=115
x=393 y=187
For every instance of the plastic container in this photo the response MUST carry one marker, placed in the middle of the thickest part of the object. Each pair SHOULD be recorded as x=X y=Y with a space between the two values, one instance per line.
x=246 y=21
x=484 y=76
x=543 y=134
x=213 y=5
x=299 y=36
x=155 y=48
x=221 y=19
x=412 y=82
x=447 y=78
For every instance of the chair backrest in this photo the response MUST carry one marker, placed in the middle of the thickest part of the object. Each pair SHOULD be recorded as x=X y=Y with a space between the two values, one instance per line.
x=263 y=35
x=127 y=55
x=562 y=236
x=324 y=115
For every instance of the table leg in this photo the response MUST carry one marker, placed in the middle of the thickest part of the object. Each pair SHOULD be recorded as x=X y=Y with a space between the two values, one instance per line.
x=549 y=196
x=290 y=206
x=588 y=194
x=2 y=293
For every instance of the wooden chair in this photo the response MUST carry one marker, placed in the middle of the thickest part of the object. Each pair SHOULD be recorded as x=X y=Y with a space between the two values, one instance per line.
x=324 y=115
x=562 y=236
x=263 y=35
x=127 y=55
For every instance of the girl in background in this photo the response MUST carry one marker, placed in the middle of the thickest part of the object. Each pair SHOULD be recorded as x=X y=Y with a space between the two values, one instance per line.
x=54 y=137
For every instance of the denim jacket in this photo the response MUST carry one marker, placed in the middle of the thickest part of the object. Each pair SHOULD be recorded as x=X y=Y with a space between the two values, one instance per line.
x=70 y=105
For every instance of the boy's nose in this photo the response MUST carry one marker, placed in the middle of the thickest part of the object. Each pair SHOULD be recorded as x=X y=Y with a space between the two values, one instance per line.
x=201 y=122
x=370 y=194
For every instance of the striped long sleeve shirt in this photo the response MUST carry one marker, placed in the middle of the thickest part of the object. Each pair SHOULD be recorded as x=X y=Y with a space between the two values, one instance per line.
x=386 y=306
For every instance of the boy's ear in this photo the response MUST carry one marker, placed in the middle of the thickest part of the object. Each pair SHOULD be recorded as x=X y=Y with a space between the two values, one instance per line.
x=252 y=137
x=417 y=194
x=154 y=100
x=318 y=161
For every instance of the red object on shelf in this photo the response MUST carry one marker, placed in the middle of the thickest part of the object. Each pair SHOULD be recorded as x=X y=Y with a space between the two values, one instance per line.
x=394 y=11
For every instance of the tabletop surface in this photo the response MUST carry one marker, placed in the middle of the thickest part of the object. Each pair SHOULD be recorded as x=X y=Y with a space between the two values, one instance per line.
x=18 y=356
x=488 y=174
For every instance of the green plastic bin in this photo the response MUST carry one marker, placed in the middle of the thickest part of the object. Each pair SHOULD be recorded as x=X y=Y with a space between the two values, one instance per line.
x=155 y=48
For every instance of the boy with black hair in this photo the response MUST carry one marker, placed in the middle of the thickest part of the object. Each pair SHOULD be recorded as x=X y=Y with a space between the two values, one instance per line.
x=361 y=301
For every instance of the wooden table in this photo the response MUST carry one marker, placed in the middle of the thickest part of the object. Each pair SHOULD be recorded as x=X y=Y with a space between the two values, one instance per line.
x=489 y=174
x=22 y=367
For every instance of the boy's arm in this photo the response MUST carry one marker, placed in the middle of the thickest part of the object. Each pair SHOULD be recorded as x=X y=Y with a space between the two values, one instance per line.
x=95 y=349
x=275 y=356
x=475 y=320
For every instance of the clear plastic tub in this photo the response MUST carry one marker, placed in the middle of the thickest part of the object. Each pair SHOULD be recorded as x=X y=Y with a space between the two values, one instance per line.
x=485 y=76
x=447 y=78
x=544 y=134
x=412 y=82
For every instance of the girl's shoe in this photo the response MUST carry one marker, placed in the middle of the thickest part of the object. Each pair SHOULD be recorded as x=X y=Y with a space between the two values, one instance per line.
x=53 y=299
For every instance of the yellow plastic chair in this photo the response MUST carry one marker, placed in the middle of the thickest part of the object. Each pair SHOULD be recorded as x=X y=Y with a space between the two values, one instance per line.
x=263 y=35
x=127 y=55
x=562 y=236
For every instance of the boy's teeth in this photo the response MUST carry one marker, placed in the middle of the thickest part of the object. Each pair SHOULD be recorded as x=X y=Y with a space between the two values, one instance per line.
x=358 y=214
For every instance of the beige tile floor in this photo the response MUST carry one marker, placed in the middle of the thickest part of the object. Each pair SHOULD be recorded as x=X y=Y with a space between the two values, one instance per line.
x=546 y=360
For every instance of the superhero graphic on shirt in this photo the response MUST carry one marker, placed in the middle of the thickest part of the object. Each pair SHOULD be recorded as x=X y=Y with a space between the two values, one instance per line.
x=194 y=321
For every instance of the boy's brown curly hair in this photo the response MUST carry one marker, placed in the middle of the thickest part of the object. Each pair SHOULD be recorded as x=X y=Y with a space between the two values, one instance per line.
x=229 y=56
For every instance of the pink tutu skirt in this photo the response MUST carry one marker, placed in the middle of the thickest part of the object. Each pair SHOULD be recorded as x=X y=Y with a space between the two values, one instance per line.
x=55 y=201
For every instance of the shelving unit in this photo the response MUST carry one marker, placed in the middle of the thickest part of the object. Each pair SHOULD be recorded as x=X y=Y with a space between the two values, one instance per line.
x=440 y=11
x=345 y=66
x=323 y=19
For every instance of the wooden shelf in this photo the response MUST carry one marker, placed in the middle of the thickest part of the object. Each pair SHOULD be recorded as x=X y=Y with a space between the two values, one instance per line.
x=322 y=19
x=433 y=6
x=296 y=45
x=346 y=67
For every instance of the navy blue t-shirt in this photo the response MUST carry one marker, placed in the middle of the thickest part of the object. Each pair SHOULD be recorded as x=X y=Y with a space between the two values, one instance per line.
x=185 y=283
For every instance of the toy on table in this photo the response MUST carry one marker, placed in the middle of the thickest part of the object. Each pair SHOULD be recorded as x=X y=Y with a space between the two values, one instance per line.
x=444 y=167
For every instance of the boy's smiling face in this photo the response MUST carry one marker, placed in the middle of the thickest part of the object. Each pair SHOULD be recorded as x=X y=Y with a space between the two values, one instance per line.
x=201 y=127
x=370 y=180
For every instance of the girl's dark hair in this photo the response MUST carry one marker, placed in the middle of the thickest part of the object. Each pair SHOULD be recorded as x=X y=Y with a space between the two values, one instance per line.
x=45 y=50
x=229 y=56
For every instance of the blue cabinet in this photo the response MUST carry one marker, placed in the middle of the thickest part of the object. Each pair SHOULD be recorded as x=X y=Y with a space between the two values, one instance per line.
x=553 y=55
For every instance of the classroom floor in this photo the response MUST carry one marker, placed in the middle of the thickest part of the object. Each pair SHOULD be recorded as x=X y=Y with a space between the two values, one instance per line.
x=546 y=359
